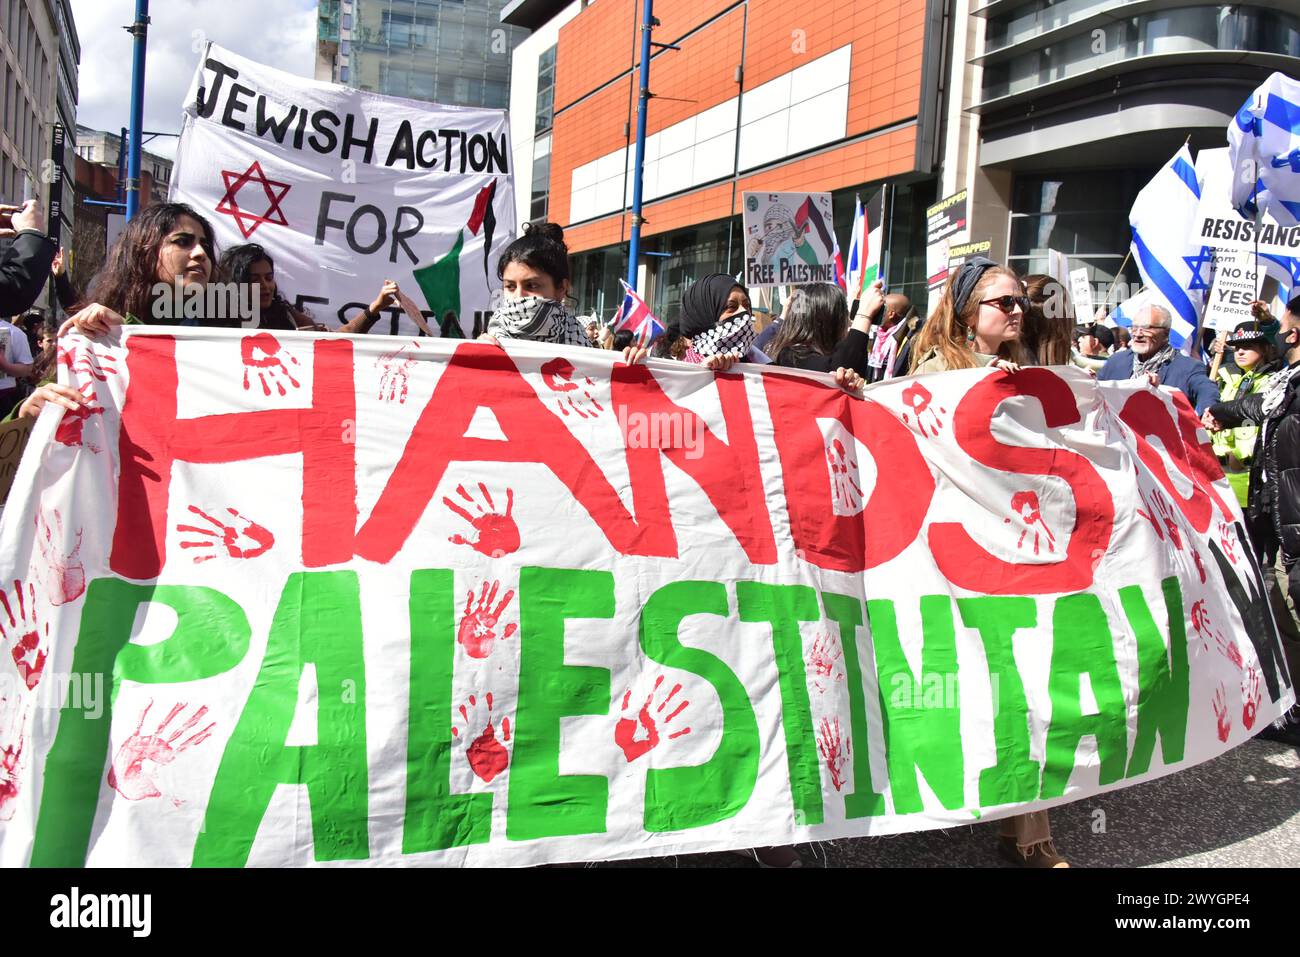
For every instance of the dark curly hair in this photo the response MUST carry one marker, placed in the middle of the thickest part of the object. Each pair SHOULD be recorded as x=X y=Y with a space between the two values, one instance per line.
x=541 y=247
x=125 y=283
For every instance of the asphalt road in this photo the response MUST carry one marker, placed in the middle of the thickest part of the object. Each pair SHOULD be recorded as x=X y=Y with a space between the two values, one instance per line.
x=1240 y=810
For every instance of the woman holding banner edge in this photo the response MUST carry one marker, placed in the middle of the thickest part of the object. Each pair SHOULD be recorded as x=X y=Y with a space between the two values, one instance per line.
x=978 y=323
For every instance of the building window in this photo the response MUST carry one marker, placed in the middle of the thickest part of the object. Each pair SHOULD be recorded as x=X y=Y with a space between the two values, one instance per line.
x=343 y=74
x=540 y=199
x=545 y=91
x=495 y=94
x=347 y=21
x=345 y=47
x=1082 y=214
x=405 y=30
x=1190 y=29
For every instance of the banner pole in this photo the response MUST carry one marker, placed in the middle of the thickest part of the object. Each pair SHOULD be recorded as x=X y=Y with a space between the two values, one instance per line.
x=1119 y=272
x=634 y=243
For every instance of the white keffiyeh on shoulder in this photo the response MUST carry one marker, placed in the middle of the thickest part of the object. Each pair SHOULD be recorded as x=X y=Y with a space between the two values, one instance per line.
x=732 y=336
x=538 y=319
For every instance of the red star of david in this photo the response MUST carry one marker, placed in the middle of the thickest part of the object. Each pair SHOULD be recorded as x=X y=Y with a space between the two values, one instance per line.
x=273 y=191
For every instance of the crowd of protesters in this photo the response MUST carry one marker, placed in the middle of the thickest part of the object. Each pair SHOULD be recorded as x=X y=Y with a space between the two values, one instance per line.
x=987 y=316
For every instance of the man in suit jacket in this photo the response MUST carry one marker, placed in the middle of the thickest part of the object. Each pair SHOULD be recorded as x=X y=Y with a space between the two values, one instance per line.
x=1150 y=356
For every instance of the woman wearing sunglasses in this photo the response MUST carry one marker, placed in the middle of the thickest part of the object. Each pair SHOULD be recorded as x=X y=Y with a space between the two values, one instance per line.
x=978 y=322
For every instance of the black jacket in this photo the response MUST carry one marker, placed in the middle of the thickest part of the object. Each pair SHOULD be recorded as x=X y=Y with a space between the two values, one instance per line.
x=850 y=353
x=24 y=267
x=1275 y=472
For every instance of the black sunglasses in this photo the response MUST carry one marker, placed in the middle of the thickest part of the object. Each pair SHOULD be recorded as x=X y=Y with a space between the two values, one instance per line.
x=1008 y=303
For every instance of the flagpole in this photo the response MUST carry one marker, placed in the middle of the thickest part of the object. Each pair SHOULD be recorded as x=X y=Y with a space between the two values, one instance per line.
x=1255 y=201
x=1118 y=273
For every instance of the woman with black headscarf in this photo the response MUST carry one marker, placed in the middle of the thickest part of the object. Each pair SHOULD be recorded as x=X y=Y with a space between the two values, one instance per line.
x=716 y=319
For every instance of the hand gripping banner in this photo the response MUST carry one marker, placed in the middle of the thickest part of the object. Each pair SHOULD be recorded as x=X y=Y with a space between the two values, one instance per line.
x=306 y=600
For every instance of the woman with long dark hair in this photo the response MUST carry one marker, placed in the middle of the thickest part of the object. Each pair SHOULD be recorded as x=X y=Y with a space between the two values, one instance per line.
x=816 y=333
x=163 y=246
x=250 y=264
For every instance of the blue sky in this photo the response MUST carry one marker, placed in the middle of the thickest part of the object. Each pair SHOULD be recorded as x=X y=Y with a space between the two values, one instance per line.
x=280 y=33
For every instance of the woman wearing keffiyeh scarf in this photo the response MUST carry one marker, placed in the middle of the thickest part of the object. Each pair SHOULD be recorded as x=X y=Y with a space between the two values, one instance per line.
x=534 y=274
x=716 y=319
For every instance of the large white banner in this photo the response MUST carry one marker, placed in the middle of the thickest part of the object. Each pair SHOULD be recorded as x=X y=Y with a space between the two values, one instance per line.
x=308 y=599
x=346 y=189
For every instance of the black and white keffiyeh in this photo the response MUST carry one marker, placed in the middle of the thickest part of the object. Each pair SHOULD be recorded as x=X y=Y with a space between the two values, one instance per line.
x=1275 y=391
x=538 y=319
x=1154 y=364
x=733 y=336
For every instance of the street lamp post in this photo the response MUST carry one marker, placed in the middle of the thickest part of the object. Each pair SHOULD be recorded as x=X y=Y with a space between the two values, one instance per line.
x=140 y=31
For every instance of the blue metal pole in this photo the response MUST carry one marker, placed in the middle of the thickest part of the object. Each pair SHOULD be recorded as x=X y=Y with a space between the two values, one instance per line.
x=140 y=31
x=634 y=247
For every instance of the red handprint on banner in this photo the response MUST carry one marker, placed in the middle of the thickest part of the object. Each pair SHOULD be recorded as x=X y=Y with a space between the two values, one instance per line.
x=128 y=775
x=1220 y=705
x=245 y=539
x=477 y=630
x=846 y=494
x=1200 y=565
x=263 y=354
x=88 y=362
x=919 y=399
x=496 y=534
x=487 y=756
x=1230 y=650
x=24 y=629
x=394 y=385
x=1228 y=541
x=1162 y=518
x=11 y=759
x=1250 y=698
x=638 y=732
x=823 y=663
x=1202 y=625
x=1025 y=505
x=558 y=374
x=71 y=428
x=64 y=576
x=835 y=750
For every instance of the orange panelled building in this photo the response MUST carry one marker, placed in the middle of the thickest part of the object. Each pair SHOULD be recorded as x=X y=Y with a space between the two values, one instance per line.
x=842 y=96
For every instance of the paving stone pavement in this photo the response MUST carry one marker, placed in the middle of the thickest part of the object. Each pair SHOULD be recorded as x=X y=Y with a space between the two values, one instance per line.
x=1241 y=809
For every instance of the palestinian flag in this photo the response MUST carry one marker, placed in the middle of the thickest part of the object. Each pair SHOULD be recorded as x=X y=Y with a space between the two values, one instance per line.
x=440 y=281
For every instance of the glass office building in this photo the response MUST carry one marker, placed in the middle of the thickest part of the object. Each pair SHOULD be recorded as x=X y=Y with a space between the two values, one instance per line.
x=445 y=51
x=1082 y=101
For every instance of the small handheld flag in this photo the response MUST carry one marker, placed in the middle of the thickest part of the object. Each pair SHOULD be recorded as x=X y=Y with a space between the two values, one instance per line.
x=636 y=316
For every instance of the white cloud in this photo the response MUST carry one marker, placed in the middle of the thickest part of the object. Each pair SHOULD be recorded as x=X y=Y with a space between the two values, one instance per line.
x=279 y=33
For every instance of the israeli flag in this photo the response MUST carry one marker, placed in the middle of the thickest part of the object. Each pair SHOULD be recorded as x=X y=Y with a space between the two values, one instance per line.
x=1122 y=315
x=1285 y=269
x=1264 y=149
x=1176 y=268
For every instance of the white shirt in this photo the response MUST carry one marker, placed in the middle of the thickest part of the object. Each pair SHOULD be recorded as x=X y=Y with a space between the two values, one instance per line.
x=16 y=349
